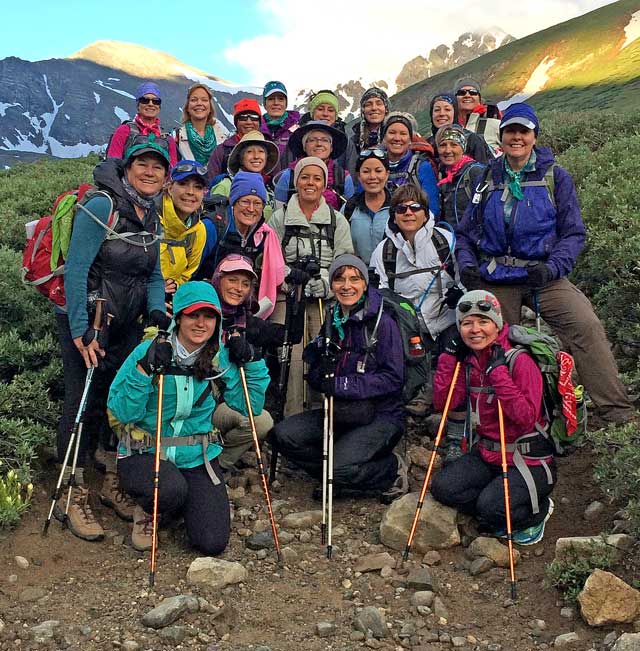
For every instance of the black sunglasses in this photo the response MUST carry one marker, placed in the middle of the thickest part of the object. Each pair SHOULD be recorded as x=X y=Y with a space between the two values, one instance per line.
x=248 y=116
x=402 y=208
x=465 y=91
x=156 y=101
x=483 y=306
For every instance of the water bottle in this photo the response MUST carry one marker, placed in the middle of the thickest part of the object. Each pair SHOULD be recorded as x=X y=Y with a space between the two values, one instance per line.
x=416 y=349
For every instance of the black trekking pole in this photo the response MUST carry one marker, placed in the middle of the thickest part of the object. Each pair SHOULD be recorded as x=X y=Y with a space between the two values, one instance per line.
x=327 y=450
x=76 y=434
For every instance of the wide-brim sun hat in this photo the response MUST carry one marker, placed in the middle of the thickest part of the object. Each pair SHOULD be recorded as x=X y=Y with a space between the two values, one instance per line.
x=253 y=137
x=338 y=145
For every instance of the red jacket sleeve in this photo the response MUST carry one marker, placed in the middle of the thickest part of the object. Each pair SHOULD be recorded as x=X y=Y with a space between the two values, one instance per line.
x=442 y=383
x=118 y=141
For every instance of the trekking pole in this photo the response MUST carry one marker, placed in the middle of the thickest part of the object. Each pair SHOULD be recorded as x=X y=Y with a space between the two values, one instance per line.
x=330 y=479
x=263 y=475
x=507 y=501
x=327 y=452
x=536 y=303
x=156 y=479
x=76 y=435
x=434 y=452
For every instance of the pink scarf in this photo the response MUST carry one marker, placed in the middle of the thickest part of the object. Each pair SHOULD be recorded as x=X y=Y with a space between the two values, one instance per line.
x=454 y=169
x=146 y=128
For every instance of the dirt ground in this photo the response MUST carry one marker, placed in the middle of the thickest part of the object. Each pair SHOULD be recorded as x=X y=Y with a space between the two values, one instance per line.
x=99 y=591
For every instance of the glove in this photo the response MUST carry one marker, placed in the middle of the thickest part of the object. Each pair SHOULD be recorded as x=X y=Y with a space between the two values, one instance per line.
x=158 y=357
x=327 y=385
x=471 y=278
x=316 y=288
x=90 y=334
x=497 y=358
x=452 y=297
x=539 y=275
x=240 y=350
x=160 y=319
x=297 y=277
x=456 y=347
x=264 y=333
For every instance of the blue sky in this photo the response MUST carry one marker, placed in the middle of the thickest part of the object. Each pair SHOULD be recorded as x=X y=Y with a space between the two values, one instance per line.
x=251 y=41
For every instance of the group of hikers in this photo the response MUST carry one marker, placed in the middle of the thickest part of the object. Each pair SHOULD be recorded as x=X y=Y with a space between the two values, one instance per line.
x=255 y=273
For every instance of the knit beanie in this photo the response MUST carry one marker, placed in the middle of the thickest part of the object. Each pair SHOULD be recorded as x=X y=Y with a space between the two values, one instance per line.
x=349 y=260
x=147 y=88
x=305 y=162
x=453 y=132
x=520 y=113
x=467 y=81
x=403 y=118
x=245 y=184
x=323 y=97
x=475 y=298
x=246 y=106
x=375 y=92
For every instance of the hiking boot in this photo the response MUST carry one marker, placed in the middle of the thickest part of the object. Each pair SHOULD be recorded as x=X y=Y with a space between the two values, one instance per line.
x=113 y=496
x=400 y=486
x=533 y=535
x=80 y=518
x=142 y=533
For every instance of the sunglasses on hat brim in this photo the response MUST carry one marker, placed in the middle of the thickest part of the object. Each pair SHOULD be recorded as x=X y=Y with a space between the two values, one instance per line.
x=188 y=168
x=483 y=306
x=373 y=152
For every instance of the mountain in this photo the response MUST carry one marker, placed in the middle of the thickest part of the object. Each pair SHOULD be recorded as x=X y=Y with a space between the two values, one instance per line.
x=592 y=61
x=469 y=46
x=70 y=107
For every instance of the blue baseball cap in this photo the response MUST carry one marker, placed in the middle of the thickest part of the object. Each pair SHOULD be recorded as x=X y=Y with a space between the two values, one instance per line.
x=520 y=113
x=272 y=87
x=187 y=168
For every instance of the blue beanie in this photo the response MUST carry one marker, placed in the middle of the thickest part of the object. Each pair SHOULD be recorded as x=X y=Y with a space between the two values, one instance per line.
x=520 y=113
x=147 y=87
x=245 y=184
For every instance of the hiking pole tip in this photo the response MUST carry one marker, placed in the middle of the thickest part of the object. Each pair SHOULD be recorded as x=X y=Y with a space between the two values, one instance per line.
x=514 y=595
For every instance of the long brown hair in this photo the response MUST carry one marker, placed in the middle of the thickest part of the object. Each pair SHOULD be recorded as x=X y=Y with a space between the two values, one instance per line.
x=211 y=119
x=203 y=366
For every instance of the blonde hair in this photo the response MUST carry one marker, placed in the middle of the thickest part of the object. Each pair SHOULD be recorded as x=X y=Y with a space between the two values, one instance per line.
x=211 y=119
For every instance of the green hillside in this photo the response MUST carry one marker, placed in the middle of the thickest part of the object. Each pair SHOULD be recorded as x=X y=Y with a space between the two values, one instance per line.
x=591 y=68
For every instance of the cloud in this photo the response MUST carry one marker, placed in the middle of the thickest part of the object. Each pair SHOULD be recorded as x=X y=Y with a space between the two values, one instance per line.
x=319 y=46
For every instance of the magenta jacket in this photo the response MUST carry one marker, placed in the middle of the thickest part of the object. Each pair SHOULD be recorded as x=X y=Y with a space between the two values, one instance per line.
x=120 y=135
x=520 y=395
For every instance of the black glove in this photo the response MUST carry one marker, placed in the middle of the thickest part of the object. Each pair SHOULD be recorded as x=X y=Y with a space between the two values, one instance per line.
x=90 y=334
x=297 y=277
x=497 y=358
x=264 y=334
x=160 y=319
x=158 y=357
x=452 y=297
x=471 y=278
x=456 y=347
x=327 y=385
x=539 y=275
x=240 y=350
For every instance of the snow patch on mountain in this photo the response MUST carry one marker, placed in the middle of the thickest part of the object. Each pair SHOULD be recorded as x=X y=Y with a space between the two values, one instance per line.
x=632 y=30
x=121 y=113
x=7 y=105
x=97 y=97
x=536 y=82
x=73 y=151
x=115 y=90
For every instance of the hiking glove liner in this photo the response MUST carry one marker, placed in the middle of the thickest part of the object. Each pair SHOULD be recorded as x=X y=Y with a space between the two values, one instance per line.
x=90 y=334
x=316 y=288
x=452 y=297
x=240 y=350
x=539 y=275
x=158 y=357
x=160 y=319
x=297 y=277
x=471 y=277
x=497 y=358
x=457 y=348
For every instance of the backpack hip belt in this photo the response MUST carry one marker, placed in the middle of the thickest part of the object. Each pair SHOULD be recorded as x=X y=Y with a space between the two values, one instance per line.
x=508 y=260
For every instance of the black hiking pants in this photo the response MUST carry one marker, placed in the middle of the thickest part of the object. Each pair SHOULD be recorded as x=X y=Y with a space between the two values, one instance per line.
x=363 y=456
x=96 y=426
x=182 y=491
x=475 y=487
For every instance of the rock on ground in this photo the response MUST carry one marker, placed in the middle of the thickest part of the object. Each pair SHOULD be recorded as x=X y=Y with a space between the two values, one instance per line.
x=566 y=639
x=593 y=511
x=301 y=520
x=43 y=633
x=606 y=599
x=371 y=619
x=627 y=642
x=583 y=546
x=422 y=578
x=325 y=629
x=374 y=562
x=169 y=610
x=492 y=549
x=437 y=528
x=215 y=573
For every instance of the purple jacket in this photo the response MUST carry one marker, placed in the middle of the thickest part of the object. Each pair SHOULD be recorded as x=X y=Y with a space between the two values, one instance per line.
x=280 y=135
x=383 y=378
x=219 y=157
x=537 y=230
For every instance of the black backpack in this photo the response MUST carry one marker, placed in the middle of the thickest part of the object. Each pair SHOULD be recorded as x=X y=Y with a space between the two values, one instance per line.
x=214 y=210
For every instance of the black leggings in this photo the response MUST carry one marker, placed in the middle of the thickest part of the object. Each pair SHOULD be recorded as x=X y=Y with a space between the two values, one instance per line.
x=473 y=486
x=188 y=491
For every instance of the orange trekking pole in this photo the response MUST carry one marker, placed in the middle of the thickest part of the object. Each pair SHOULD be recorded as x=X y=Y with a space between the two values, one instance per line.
x=507 y=500
x=427 y=479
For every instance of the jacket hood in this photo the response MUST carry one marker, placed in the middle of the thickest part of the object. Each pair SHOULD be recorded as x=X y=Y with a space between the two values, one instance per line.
x=108 y=176
x=193 y=292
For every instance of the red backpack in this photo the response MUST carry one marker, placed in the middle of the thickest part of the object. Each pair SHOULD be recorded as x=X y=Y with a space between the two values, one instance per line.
x=39 y=269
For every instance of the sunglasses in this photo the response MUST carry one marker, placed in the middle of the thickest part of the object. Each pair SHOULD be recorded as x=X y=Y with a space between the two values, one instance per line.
x=189 y=168
x=156 y=101
x=248 y=116
x=402 y=208
x=483 y=306
x=465 y=91
x=377 y=152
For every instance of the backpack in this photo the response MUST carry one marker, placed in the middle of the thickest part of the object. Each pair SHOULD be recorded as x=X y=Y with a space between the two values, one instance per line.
x=488 y=128
x=564 y=409
x=417 y=362
x=390 y=255
x=338 y=183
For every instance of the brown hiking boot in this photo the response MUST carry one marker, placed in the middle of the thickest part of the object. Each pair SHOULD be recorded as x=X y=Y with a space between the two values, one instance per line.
x=112 y=495
x=142 y=534
x=80 y=518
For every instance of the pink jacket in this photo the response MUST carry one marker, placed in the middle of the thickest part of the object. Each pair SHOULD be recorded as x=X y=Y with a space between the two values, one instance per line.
x=120 y=135
x=272 y=274
x=520 y=395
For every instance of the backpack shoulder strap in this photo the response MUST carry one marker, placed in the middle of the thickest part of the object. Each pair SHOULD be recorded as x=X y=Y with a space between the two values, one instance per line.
x=442 y=245
x=291 y=190
x=339 y=177
x=389 y=257
x=330 y=230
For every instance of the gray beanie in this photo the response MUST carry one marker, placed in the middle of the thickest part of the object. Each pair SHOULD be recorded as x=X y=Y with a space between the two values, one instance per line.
x=349 y=260
x=467 y=81
x=305 y=162
x=480 y=296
